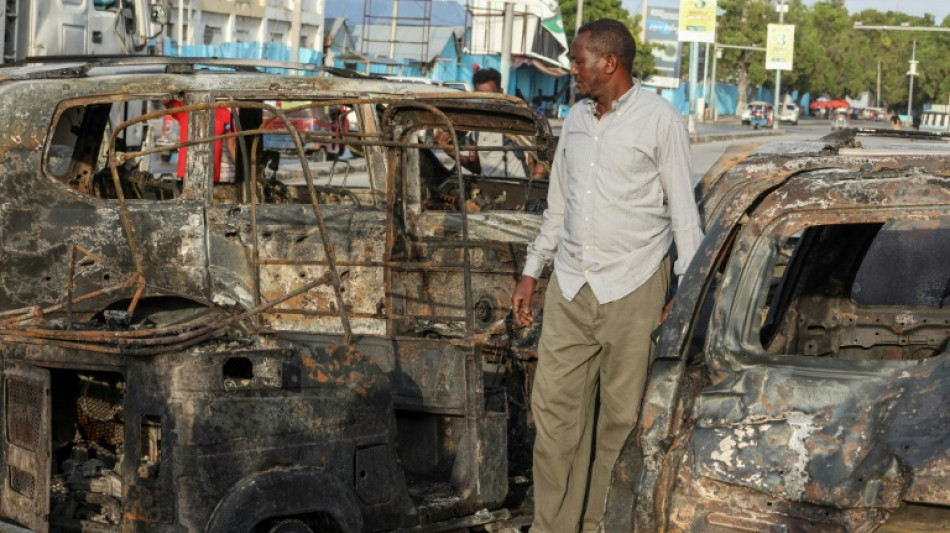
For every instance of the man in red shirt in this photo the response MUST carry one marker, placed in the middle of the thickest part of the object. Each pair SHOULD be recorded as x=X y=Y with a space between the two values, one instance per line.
x=224 y=171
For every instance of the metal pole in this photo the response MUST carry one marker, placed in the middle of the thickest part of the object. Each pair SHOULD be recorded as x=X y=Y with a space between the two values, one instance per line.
x=507 y=31
x=713 y=113
x=181 y=25
x=776 y=110
x=693 y=74
x=877 y=101
x=705 y=82
x=392 y=31
x=911 y=73
x=191 y=21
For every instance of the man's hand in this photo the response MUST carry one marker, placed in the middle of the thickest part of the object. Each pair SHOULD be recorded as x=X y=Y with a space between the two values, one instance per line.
x=444 y=139
x=521 y=301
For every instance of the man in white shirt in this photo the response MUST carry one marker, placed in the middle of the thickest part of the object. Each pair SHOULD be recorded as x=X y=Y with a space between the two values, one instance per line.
x=494 y=163
x=620 y=195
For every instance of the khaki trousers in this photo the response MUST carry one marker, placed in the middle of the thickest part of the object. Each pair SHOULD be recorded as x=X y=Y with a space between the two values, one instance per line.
x=592 y=369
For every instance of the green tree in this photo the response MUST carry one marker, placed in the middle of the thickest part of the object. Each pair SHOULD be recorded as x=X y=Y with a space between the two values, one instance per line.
x=743 y=23
x=643 y=65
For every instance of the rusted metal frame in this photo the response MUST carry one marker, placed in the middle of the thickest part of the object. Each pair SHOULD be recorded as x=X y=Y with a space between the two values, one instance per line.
x=132 y=281
x=184 y=340
x=396 y=265
x=370 y=127
x=319 y=136
x=36 y=311
x=463 y=208
x=434 y=318
x=120 y=337
x=70 y=285
x=328 y=251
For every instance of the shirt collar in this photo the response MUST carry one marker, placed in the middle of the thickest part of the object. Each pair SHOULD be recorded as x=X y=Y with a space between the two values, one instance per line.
x=617 y=105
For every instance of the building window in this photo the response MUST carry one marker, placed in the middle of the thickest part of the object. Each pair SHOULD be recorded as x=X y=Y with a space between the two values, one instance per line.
x=211 y=33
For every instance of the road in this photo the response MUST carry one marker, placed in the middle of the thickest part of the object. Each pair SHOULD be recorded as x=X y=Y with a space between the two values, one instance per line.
x=705 y=154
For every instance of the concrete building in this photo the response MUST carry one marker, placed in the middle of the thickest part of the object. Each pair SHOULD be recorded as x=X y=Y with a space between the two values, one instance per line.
x=246 y=28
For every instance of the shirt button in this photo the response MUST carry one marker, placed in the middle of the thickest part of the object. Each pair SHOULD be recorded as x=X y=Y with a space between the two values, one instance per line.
x=595 y=137
x=588 y=191
x=586 y=219
x=592 y=164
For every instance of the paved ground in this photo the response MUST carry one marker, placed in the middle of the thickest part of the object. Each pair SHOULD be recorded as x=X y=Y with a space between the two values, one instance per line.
x=725 y=129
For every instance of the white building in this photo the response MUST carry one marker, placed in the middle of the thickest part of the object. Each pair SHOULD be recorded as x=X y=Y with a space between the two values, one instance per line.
x=214 y=22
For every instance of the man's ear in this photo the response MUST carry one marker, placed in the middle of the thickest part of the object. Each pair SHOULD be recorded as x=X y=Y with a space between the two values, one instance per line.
x=610 y=63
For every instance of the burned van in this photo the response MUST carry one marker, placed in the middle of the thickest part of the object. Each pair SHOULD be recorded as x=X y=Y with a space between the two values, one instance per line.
x=232 y=339
x=801 y=382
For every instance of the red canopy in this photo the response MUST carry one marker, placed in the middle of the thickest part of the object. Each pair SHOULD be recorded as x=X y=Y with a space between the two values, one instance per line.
x=829 y=104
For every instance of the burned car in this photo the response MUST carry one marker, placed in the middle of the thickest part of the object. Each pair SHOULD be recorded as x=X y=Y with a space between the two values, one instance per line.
x=279 y=346
x=801 y=380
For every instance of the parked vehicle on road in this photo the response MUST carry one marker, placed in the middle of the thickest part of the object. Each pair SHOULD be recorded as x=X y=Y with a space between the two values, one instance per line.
x=789 y=114
x=761 y=114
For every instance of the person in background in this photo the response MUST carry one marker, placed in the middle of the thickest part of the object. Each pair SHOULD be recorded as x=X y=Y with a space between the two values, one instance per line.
x=224 y=167
x=509 y=164
x=620 y=194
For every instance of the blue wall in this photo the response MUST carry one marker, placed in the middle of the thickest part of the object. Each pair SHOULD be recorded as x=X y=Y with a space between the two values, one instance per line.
x=271 y=51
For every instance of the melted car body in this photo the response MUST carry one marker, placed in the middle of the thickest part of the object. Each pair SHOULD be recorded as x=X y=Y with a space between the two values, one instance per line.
x=800 y=382
x=276 y=347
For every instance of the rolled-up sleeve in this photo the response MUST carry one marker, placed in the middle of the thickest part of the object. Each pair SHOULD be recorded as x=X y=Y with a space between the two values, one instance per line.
x=676 y=179
x=541 y=251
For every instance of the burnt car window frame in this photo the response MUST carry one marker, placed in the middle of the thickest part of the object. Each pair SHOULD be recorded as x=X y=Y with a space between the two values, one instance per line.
x=737 y=317
x=188 y=193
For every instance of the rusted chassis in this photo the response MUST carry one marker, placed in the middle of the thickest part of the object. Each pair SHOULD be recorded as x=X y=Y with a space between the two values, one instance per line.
x=729 y=441
x=293 y=439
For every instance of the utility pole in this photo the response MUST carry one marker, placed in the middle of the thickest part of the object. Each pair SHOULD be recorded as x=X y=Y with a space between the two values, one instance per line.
x=776 y=110
x=507 y=32
x=693 y=74
x=392 y=30
x=911 y=73
x=705 y=82
x=713 y=114
x=877 y=100
x=913 y=62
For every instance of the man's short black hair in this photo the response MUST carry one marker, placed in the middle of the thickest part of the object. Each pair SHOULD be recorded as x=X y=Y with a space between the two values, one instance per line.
x=485 y=75
x=609 y=36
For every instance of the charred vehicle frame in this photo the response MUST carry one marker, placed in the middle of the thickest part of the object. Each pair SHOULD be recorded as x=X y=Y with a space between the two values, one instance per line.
x=313 y=353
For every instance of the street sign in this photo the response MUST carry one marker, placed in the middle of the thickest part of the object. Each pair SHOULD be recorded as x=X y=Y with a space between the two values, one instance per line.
x=661 y=26
x=780 y=49
x=697 y=21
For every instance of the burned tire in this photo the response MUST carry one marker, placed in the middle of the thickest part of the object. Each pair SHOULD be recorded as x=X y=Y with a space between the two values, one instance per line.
x=289 y=526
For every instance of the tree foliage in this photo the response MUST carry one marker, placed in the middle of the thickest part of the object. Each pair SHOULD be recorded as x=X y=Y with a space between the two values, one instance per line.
x=643 y=65
x=832 y=57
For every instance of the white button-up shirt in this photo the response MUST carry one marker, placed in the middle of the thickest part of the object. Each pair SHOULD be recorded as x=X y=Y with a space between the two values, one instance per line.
x=620 y=194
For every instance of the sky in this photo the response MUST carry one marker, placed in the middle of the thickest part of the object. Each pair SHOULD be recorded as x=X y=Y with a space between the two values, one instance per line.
x=938 y=8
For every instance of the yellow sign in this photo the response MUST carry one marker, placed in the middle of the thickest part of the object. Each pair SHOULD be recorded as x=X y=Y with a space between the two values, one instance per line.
x=697 y=21
x=781 y=47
